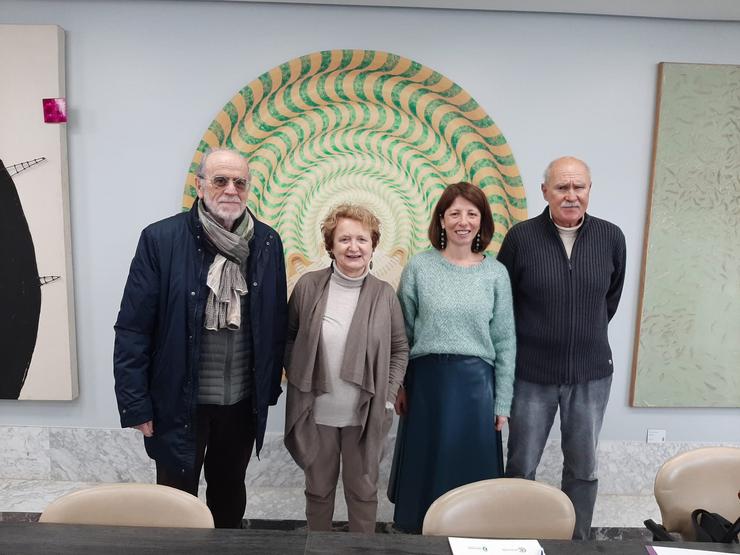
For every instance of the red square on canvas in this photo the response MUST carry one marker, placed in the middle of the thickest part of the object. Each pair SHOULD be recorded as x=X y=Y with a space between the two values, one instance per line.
x=55 y=110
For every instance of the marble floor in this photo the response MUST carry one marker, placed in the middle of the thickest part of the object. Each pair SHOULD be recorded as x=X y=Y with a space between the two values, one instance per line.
x=287 y=503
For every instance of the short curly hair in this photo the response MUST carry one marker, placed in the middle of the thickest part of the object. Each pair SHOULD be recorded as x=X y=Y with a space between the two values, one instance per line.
x=351 y=212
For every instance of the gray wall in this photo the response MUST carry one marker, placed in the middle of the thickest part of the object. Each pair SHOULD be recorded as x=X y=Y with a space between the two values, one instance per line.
x=144 y=80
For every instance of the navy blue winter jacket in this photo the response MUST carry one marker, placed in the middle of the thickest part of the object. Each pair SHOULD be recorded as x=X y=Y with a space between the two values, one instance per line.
x=158 y=331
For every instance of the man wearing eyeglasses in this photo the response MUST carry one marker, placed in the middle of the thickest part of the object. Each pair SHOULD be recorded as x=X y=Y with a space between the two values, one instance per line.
x=200 y=337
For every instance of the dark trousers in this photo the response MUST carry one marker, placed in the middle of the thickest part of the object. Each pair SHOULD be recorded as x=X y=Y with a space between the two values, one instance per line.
x=582 y=409
x=224 y=438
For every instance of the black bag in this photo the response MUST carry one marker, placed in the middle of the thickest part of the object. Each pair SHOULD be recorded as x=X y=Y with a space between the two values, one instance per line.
x=660 y=534
x=712 y=527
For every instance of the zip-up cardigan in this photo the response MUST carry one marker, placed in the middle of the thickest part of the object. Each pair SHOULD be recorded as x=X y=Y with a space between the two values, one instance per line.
x=562 y=306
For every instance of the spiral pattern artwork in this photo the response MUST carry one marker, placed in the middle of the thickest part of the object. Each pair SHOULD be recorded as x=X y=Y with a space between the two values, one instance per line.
x=366 y=127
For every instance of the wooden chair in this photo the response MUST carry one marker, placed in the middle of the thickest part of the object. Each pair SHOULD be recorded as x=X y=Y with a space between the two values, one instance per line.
x=147 y=505
x=502 y=508
x=706 y=478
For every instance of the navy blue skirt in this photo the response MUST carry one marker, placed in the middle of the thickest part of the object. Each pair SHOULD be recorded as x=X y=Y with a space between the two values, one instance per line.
x=447 y=438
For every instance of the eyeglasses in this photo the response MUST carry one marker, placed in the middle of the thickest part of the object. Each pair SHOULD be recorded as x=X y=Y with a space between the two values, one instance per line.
x=221 y=181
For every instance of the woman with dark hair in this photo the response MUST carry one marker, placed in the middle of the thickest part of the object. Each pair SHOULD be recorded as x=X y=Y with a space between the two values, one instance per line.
x=457 y=305
x=345 y=359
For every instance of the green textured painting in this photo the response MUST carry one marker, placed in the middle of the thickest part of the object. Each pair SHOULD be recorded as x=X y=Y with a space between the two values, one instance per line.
x=367 y=127
x=687 y=351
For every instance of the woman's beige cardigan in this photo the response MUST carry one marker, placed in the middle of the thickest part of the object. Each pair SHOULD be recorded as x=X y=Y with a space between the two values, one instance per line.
x=375 y=358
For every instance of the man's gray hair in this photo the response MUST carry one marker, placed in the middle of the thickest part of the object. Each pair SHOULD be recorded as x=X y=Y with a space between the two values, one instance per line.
x=548 y=169
x=207 y=152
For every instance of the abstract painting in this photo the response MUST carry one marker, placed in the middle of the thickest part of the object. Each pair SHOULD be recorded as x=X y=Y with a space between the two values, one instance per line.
x=37 y=336
x=687 y=349
x=367 y=127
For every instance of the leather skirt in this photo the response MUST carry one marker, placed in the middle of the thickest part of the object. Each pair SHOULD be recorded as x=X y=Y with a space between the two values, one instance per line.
x=447 y=438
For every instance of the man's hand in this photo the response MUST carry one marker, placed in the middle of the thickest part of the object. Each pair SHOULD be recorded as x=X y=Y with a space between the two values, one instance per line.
x=147 y=428
x=401 y=404
x=500 y=421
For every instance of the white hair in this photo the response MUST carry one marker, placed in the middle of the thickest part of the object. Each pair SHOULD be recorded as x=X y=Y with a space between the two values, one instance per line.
x=207 y=152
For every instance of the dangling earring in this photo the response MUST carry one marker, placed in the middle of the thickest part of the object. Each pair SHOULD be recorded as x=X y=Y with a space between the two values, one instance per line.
x=442 y=238
x=477 y=242
x=371 y=264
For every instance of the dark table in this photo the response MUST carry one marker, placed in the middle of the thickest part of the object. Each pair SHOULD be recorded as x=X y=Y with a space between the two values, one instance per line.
x=22 y=538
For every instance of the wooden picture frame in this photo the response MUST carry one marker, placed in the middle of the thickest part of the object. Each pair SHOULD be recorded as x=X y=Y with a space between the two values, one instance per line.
x=687 y=341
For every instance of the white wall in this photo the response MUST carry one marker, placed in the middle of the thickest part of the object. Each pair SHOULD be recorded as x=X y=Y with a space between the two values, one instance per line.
x=144 y=80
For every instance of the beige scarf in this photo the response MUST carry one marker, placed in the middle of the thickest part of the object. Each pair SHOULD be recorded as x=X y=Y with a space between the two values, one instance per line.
x=225 y=279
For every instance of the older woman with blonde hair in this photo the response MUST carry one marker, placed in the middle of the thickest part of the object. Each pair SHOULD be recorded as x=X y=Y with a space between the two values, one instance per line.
x=345 y=359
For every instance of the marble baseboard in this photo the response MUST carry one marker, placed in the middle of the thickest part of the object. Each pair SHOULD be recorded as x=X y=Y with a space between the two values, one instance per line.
x=19 y=517
x=74 y=454
x=25 y=453
x=28 y=496
x=89 y=455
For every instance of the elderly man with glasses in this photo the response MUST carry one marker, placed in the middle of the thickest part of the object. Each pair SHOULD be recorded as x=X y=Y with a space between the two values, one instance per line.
x=200 y=337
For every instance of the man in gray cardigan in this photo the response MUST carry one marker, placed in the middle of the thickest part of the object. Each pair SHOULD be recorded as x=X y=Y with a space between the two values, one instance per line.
x=567 y=271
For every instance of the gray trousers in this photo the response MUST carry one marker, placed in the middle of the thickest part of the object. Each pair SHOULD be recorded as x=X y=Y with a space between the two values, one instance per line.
x=582 y=409
x=360 y=490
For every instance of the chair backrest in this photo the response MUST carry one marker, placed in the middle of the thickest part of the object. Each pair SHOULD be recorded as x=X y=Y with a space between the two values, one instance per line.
x=706 y=478
x=502 y=508
x=147 y=505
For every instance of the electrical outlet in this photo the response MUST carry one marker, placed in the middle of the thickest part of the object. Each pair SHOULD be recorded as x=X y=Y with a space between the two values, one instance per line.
x=656 y=436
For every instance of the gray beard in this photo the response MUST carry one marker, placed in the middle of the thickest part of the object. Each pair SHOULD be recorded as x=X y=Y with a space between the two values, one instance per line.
x=226 y=220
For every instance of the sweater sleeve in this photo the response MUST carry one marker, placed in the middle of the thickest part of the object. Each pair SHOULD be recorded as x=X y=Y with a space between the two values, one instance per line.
x=281 y=320
x=506 y=253
x=399 y=350
x=408 y=298
x=617 y=277
x=503 y=337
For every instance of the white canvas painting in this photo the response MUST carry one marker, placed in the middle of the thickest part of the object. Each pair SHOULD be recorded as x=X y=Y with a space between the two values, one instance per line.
x=37 y=326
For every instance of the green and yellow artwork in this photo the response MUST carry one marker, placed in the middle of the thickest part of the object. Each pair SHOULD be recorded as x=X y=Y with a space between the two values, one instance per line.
x=366 y=127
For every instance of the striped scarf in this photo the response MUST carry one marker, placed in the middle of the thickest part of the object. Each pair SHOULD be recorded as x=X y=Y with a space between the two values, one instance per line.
x=225 y=279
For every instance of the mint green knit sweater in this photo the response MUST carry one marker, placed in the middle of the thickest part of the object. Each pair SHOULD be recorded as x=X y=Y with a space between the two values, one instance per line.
x=460 y=310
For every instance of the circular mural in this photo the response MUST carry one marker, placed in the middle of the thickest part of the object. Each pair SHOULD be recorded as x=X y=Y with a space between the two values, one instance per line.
x=365 y=127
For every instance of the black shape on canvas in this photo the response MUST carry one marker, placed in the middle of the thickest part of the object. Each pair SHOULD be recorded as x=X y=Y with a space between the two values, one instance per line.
x=20 y=291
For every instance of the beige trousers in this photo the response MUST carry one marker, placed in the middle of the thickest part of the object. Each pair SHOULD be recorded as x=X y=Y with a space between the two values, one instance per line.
x=360 y=490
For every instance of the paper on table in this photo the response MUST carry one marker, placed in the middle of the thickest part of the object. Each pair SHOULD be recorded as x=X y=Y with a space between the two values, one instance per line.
x=468 y=546
x=660 y=550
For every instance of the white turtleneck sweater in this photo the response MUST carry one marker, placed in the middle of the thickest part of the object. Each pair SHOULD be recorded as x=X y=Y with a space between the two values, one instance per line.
x=338 y=407
x=568 y=235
